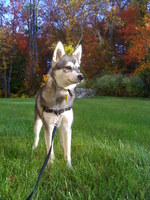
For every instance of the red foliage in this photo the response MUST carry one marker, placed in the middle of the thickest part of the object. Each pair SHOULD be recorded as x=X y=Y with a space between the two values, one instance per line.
x=135 y=35
x=88 y=60
x=22 y=43
x=129 y=18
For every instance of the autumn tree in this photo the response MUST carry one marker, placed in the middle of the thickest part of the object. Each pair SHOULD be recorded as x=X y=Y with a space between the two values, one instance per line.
x=7 y=43
x=115 y=38
x=135 y=34
x=7 y=54
x=30 y=17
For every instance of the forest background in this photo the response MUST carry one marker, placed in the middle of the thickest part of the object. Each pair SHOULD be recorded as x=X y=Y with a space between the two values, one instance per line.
x=116 y=44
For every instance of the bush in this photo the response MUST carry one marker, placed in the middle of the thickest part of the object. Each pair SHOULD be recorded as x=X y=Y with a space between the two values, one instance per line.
x=102 y=85
x=14 y=95
x=116 y=84
x=119 y=85
x=137 y=87
x=108 y=85
x=143 y=71
x=24 y=96
x=133 y=86
x=126 y=86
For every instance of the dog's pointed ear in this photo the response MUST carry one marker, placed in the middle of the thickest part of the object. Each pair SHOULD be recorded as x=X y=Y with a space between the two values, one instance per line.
x=58 y=53
x=78 y=53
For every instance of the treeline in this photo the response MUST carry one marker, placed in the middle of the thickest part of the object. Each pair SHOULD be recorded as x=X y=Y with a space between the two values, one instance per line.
x=116 y=39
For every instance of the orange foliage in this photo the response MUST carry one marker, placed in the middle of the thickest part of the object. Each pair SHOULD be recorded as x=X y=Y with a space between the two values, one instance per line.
x=143 y=67
x=136 y=35
x=22 y=43
x=129 y=18
x=44 y=80
x=93 y=55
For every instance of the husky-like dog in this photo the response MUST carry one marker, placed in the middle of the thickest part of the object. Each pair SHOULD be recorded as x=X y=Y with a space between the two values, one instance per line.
x=58 y=95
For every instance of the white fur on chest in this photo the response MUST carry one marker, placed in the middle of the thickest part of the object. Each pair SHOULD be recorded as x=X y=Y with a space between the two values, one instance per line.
x=65 y=119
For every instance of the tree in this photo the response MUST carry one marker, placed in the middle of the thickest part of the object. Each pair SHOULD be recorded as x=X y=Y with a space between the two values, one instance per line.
x=115 y=38
x=6 y=47
x=136 y=34
x=30 y=17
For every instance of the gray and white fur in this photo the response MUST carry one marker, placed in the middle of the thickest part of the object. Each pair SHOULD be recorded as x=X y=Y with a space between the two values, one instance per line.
x=58 y=93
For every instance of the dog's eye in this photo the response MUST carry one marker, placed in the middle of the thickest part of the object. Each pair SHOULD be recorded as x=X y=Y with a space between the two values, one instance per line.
x=68 y=68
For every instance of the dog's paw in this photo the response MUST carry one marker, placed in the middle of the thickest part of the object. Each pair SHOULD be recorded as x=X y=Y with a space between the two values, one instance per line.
x=34 y=146
x=70 y=165
x=51 y=159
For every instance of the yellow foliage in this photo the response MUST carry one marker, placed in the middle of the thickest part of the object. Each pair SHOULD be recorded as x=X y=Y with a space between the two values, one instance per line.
x=142 y=68
x=13 y=95
x=113 y=18
x=44 y=80
x=69 y=49
x=24 y=96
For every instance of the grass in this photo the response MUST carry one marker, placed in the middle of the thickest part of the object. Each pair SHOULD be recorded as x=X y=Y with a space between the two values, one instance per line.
x=110 y=152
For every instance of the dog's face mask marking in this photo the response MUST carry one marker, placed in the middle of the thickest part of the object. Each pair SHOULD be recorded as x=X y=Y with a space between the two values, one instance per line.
x=66 y=69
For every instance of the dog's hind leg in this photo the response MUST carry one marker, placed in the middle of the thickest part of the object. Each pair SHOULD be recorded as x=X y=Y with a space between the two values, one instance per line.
x=37 y=127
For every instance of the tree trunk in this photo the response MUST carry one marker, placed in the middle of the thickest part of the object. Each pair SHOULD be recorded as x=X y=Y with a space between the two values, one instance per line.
x=33 y=34
x=10 y=73
x=111 y=28
x=110 y=34
x=5 y=83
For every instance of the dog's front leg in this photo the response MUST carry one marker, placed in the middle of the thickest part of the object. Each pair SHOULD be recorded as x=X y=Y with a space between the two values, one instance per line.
x=67 y=146
x=66 y=132
x=49 y=123
x=48 y=142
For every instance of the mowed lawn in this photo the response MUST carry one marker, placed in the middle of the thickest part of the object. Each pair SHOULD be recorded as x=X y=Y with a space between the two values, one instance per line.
x=110 y=152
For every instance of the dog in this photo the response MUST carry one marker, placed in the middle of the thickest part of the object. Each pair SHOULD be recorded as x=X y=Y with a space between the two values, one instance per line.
x=58 y=95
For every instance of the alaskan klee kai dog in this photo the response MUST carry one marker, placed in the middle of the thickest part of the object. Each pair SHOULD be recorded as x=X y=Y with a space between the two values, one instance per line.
x=58 y=95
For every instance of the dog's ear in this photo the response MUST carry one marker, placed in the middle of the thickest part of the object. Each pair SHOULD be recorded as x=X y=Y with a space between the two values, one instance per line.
x=78 y=53
x=58 y=53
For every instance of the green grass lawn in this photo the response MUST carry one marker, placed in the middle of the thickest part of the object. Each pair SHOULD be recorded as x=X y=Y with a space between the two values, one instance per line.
x=110 y=152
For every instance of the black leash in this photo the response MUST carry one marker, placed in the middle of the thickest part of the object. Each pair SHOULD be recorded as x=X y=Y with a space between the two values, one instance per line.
x=44 y=164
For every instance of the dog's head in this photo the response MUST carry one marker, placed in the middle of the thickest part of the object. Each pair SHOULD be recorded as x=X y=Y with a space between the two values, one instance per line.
x=66 y=69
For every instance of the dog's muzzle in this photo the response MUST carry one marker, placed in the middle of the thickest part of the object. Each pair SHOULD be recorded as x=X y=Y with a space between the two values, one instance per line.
x=80 y=77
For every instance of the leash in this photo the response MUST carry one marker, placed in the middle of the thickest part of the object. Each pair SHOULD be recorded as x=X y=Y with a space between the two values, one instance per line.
x=57 y=112
x=44 y=164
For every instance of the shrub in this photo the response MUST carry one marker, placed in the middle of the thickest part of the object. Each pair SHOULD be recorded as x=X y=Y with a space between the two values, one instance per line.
x=24 y=96
x=143 y=71
x=82 y=85
x=109 y=85
x=137 y=87
x=119 y=85
x=13 y=95
x=102 y=85
x=126 y=86
x=116 y=84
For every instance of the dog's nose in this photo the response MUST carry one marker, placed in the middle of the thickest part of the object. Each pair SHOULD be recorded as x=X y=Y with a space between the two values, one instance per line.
x=80 y=77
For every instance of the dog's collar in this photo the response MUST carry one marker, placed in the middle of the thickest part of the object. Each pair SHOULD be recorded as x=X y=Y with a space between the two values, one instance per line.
x=55 y=82
x=55 y=111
